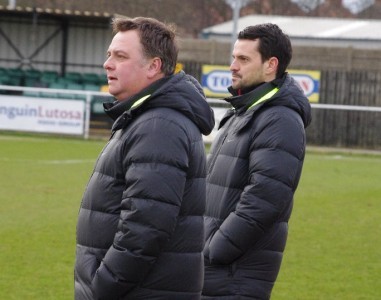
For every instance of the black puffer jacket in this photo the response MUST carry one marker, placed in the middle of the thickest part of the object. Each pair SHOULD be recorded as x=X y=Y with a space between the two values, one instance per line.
x=140 y=227
x=253 y=170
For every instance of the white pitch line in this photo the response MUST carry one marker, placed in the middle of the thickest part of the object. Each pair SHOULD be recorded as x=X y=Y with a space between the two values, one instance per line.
x=374 y=159
x=66 y=161
x=50 y=162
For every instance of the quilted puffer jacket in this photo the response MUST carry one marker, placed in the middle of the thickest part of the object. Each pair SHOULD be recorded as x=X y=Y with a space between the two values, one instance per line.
x=254 y=168
x=140 y=226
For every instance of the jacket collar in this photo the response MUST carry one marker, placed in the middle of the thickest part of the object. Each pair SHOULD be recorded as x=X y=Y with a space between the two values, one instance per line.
x=242 y=100
x=115 y=109
x=180 y=92
x=123 y=111
x=251 y=100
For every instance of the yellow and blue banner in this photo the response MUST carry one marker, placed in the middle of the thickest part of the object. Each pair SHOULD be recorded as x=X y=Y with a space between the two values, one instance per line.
x=309 y=81
x=216 y=79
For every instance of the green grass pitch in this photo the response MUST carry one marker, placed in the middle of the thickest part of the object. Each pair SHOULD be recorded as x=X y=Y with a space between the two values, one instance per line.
x=334 y=243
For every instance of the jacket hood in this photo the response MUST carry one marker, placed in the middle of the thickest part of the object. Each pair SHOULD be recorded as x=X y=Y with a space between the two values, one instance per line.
x=183 y=93
x=180 y=92
x=291 y=95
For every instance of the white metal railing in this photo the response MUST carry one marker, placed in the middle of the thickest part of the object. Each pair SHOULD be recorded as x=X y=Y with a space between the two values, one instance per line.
x=219 y=106
x=317 y=105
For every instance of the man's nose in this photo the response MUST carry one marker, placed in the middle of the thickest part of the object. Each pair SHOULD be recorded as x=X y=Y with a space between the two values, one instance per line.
x=107 y=64
x=233 y=65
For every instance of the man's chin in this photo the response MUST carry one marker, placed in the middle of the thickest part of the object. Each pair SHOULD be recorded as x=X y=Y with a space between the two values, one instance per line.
x=235 y=86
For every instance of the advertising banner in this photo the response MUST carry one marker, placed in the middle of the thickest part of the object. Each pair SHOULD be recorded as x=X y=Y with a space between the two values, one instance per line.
x=42 y=115
x=309 y=81
x=216 y=80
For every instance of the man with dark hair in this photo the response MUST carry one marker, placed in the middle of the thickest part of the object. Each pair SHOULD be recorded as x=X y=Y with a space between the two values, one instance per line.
x=254 y=167
x=140 y=225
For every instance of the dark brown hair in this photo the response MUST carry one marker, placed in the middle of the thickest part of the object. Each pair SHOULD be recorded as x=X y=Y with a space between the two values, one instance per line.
x=157 y=39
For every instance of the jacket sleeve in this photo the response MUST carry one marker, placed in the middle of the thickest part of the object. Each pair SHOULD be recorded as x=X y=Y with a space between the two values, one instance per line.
x=275 y=161
x=155 y=161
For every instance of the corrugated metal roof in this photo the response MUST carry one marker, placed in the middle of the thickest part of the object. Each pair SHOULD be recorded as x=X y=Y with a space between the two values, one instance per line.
x=55 y=11
x=305 y=27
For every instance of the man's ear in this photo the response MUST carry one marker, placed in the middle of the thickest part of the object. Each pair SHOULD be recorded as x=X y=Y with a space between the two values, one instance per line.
x=154 y=67
x=272 y=65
